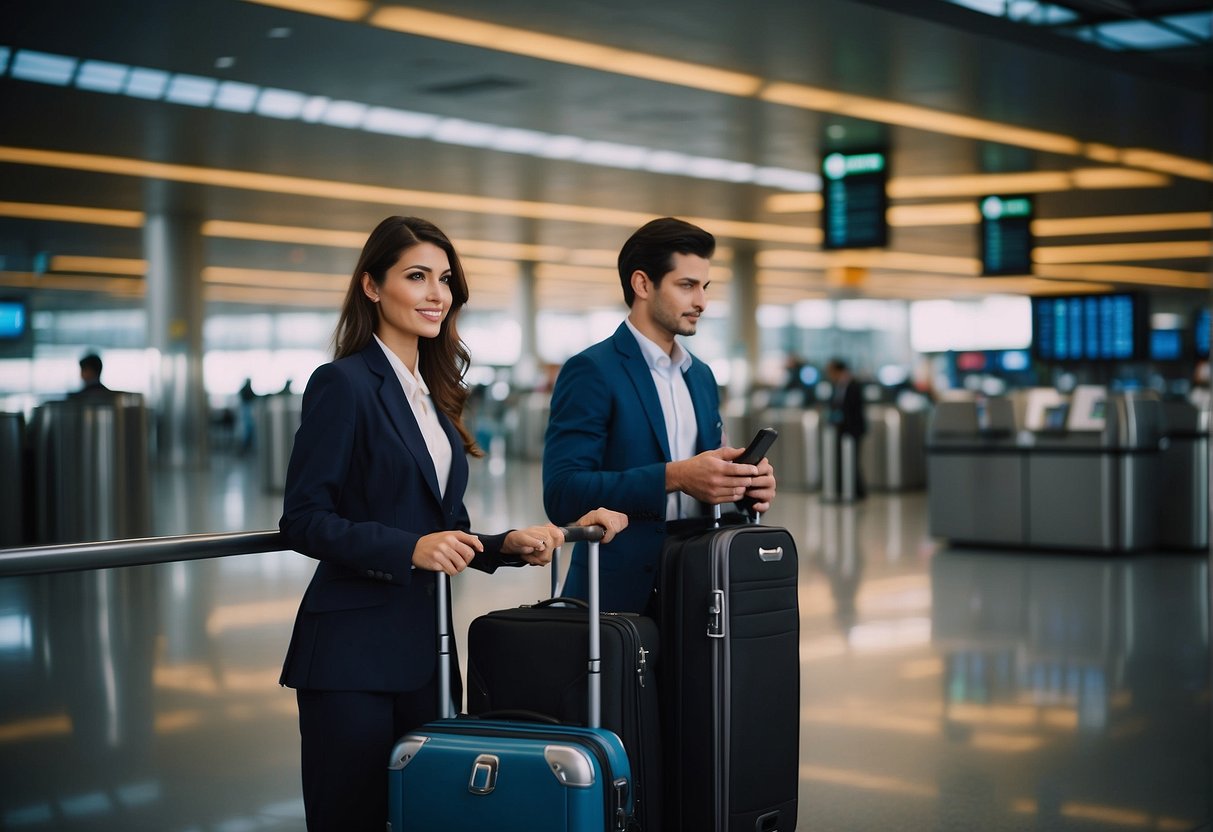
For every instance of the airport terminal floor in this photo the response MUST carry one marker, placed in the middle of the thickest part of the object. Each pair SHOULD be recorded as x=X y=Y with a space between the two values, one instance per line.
x=941 y=689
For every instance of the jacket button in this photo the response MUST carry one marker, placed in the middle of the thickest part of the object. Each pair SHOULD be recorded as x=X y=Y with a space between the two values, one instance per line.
x=387 y=576
x=370 y=573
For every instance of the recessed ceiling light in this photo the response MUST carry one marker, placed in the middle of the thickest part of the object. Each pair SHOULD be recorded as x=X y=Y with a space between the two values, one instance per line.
x=226 y=62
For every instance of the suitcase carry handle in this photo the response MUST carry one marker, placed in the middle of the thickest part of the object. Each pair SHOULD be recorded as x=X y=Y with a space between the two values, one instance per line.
x=572 y=534
x=551 y=602
x=520 y=715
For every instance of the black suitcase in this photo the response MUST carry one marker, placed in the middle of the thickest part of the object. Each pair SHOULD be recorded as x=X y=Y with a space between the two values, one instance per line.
x=730 y=679
x=534 y=658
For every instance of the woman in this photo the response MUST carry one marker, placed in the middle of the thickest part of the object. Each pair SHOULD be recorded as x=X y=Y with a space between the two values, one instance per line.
x=374 y=491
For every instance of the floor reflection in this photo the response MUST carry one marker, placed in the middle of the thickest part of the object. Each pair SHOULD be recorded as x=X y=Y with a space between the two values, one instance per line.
x=942 y=689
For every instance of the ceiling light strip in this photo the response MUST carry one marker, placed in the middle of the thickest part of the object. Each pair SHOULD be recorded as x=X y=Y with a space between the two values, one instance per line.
x=532 y=44
x=395 y=197
x=1123 y=252
x=1138 y=275
x=1125 y=224
x=71 y=213
x=98 y=265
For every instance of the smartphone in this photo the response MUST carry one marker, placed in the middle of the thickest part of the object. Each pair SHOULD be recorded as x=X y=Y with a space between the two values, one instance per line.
x=758 y=447
x=753 y=454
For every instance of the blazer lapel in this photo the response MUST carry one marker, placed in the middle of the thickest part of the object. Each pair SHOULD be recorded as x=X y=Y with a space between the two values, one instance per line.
x=701 y=398
x=391 y=395
x=638 y=371
x=457 y=481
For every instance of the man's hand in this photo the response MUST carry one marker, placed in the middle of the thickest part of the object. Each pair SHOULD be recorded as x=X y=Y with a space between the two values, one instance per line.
x=712 y=477
x=613 y=521
x=762 y=490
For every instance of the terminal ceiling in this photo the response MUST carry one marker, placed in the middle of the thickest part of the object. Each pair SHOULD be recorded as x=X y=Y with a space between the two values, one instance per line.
x=1115 y=147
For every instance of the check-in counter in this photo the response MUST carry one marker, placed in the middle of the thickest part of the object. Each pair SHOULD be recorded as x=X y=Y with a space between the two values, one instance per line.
x=893 y=454
x=527 y=425
x=278 y=418
x=796 y=455
x=1083 y=473
x=975 y=473
x=13 y=485
x=1184 y=519
x=1093 y=466
x=90 y=459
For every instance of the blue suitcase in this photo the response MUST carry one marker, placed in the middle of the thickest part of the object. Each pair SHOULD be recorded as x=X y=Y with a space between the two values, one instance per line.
x=475 y=774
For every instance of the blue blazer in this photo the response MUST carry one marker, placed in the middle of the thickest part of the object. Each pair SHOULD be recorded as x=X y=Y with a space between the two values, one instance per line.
x=607 y=446
x=360 y=491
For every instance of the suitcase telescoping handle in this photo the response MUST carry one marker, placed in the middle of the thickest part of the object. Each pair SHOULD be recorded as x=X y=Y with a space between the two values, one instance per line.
x=572 y=534
x=754 y=516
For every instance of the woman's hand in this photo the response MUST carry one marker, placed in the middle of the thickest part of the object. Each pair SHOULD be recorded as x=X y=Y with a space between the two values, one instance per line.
x=535 y=544
x=448 y=552
x=613 y=521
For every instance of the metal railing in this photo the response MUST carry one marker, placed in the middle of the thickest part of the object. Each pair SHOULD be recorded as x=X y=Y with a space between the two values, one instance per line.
x=108 y=554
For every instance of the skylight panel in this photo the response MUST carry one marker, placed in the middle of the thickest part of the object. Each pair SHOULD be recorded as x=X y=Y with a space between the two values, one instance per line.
x=102 y=76
x=43 y=68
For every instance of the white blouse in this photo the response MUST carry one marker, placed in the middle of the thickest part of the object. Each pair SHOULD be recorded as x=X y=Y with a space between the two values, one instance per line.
x=418 y=395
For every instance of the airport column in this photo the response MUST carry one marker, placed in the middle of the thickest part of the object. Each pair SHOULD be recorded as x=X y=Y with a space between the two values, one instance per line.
x=526 y=311
x=743 y=294
x=173 y=246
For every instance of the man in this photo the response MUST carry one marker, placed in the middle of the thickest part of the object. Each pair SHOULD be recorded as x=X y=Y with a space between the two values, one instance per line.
x=90 y=374
x=635 y=420
x=847 y=417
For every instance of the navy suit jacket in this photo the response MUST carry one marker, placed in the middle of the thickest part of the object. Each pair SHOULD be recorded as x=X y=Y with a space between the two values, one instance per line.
x=361 y=490
x=607 y=446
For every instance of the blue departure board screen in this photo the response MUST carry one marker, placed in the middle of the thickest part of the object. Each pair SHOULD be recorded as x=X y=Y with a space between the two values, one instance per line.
x=1006 y=235
x=854 y=200
x=1166 y=345
x=1087 y=328
x=13 y=320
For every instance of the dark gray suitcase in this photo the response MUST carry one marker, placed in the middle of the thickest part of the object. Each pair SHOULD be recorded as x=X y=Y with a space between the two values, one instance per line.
x=533 y=658
x=730 y=679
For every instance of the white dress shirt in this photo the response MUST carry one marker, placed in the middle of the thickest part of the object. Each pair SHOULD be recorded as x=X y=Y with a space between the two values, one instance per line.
x=677 y=408
x=418 y=395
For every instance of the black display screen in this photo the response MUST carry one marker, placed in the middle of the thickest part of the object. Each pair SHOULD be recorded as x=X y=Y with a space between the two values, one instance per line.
x=1006 y=235
x=1201 y=333
x=1087 y=328
x=855 y=201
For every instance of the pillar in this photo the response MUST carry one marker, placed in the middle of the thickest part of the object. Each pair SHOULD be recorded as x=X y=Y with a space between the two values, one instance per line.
x=526 y=312
x=744 y=347
x=173 y=248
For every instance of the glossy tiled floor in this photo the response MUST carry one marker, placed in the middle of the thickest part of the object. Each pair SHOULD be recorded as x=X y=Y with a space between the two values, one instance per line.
x=942 y=690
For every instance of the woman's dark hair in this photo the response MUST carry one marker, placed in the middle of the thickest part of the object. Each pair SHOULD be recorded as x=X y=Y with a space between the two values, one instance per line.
x=652 y=248
x=442 y=361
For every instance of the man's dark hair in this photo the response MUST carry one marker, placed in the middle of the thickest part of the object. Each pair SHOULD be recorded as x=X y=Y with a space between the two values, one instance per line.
x=652 y=248
x=92 y=364
x=837 y=365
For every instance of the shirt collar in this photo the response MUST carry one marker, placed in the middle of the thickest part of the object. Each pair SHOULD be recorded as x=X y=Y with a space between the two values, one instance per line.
x=655 y=356
x=413 y=383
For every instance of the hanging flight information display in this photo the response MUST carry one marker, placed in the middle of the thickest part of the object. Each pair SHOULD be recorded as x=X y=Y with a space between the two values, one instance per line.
x=1088 y=328
x=1006 y=235
x=854 y=200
